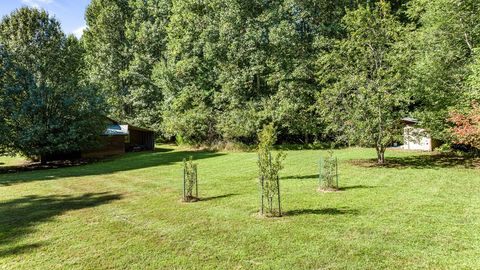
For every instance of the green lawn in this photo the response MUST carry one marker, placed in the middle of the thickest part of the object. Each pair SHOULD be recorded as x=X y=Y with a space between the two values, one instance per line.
x=11 y=161
x=419 y=212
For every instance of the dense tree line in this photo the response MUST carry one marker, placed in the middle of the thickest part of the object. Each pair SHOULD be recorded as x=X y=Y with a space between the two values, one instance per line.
x=218 y=70
x=204 y=71
x=209 y=71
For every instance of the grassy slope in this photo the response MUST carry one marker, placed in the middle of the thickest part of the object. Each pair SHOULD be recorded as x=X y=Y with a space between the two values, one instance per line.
x=127 y=214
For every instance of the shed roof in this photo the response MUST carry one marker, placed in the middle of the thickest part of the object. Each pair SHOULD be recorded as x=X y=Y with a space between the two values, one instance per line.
x=410 y=120
x=116 y=130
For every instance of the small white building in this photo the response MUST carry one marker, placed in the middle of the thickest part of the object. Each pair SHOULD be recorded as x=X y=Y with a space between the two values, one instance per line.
x=416 y=138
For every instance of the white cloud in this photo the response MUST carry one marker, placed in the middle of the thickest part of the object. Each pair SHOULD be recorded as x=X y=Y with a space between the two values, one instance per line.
x=79 y=31
x=37 y=3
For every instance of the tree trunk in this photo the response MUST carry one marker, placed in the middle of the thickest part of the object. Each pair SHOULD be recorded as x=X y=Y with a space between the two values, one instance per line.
x=43 y=160
x=381 y=155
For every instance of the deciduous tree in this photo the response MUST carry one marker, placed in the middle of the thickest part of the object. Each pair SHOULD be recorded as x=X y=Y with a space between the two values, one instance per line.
x=108 y=53
x=363 y=100
x=47 y=107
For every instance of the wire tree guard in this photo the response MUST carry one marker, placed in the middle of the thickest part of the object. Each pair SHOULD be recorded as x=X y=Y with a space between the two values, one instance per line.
x=270 y=200
x=328 y=173
x=190 y=181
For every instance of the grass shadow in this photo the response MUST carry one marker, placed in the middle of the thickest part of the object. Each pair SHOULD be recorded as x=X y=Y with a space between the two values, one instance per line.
x=19 y=250
x=18 y=217
x=323 y=211
x=162 y=150
x=127 y=162
x=204 y=199
x=356 y=187
x=300 y=177
x=310 y=146
x=421 y=162
x=36 y=166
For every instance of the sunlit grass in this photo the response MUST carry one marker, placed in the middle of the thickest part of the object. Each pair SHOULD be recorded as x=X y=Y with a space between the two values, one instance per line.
x=11 y=161
x=420 y=212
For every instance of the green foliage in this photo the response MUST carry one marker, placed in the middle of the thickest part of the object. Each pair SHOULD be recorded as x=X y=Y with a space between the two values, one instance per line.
x=147 y=41
x=46 y=106
x=190 y=181
x=364 y=99
x=187 y=77
x=7 y=74
x=217 y=71
x=444 y=72
x=107 y=53
x=213 y=71
x=245 y=69
x=474 y=79
x=269 y=169
x=267 y=138
x=328 y=172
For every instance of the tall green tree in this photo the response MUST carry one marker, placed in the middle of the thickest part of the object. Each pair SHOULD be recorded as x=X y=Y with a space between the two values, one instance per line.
x=108 y=53
x=364 y=100
x=188 y=77
x=147 y=38
x=241 y=69
x=293 y=32
x=47 y=107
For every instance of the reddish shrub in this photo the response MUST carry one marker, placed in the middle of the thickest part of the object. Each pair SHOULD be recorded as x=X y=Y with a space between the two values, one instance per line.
x=467 y=126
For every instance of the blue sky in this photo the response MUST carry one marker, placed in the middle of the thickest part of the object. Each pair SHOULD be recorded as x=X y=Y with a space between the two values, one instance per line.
x=70 y=13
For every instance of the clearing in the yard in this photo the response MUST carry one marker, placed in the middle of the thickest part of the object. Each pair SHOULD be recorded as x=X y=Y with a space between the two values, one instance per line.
x=419 y=211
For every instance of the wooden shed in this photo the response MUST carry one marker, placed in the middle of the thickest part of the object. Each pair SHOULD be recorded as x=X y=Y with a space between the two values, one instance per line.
x=120 y=138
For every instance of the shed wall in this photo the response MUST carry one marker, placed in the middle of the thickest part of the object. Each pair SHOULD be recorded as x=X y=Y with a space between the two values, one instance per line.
x=112 y=145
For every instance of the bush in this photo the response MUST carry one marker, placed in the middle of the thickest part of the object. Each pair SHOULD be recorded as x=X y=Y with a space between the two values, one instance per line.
x=467 y=126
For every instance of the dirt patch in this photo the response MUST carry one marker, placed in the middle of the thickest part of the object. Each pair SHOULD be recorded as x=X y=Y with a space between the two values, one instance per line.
x=329 y=190
x=190 y=200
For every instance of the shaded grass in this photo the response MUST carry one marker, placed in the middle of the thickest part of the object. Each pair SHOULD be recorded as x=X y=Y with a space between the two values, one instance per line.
x=132 y=161
x=21 y=215
x=384 y=217
x=426 y=161
x=324 y=211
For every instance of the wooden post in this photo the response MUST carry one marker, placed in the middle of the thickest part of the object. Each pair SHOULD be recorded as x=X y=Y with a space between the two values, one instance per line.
x=184 y=183
x=196 y=181
x=336 y=169
x=278 y=194
x=320 y=172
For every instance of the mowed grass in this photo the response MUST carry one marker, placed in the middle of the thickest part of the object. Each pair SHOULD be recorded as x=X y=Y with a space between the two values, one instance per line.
x=419 y=212
x=11 y=161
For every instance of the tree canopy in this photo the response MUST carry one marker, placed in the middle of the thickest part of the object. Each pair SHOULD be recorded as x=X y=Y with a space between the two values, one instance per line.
x=47 y=107
x=364 y=99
